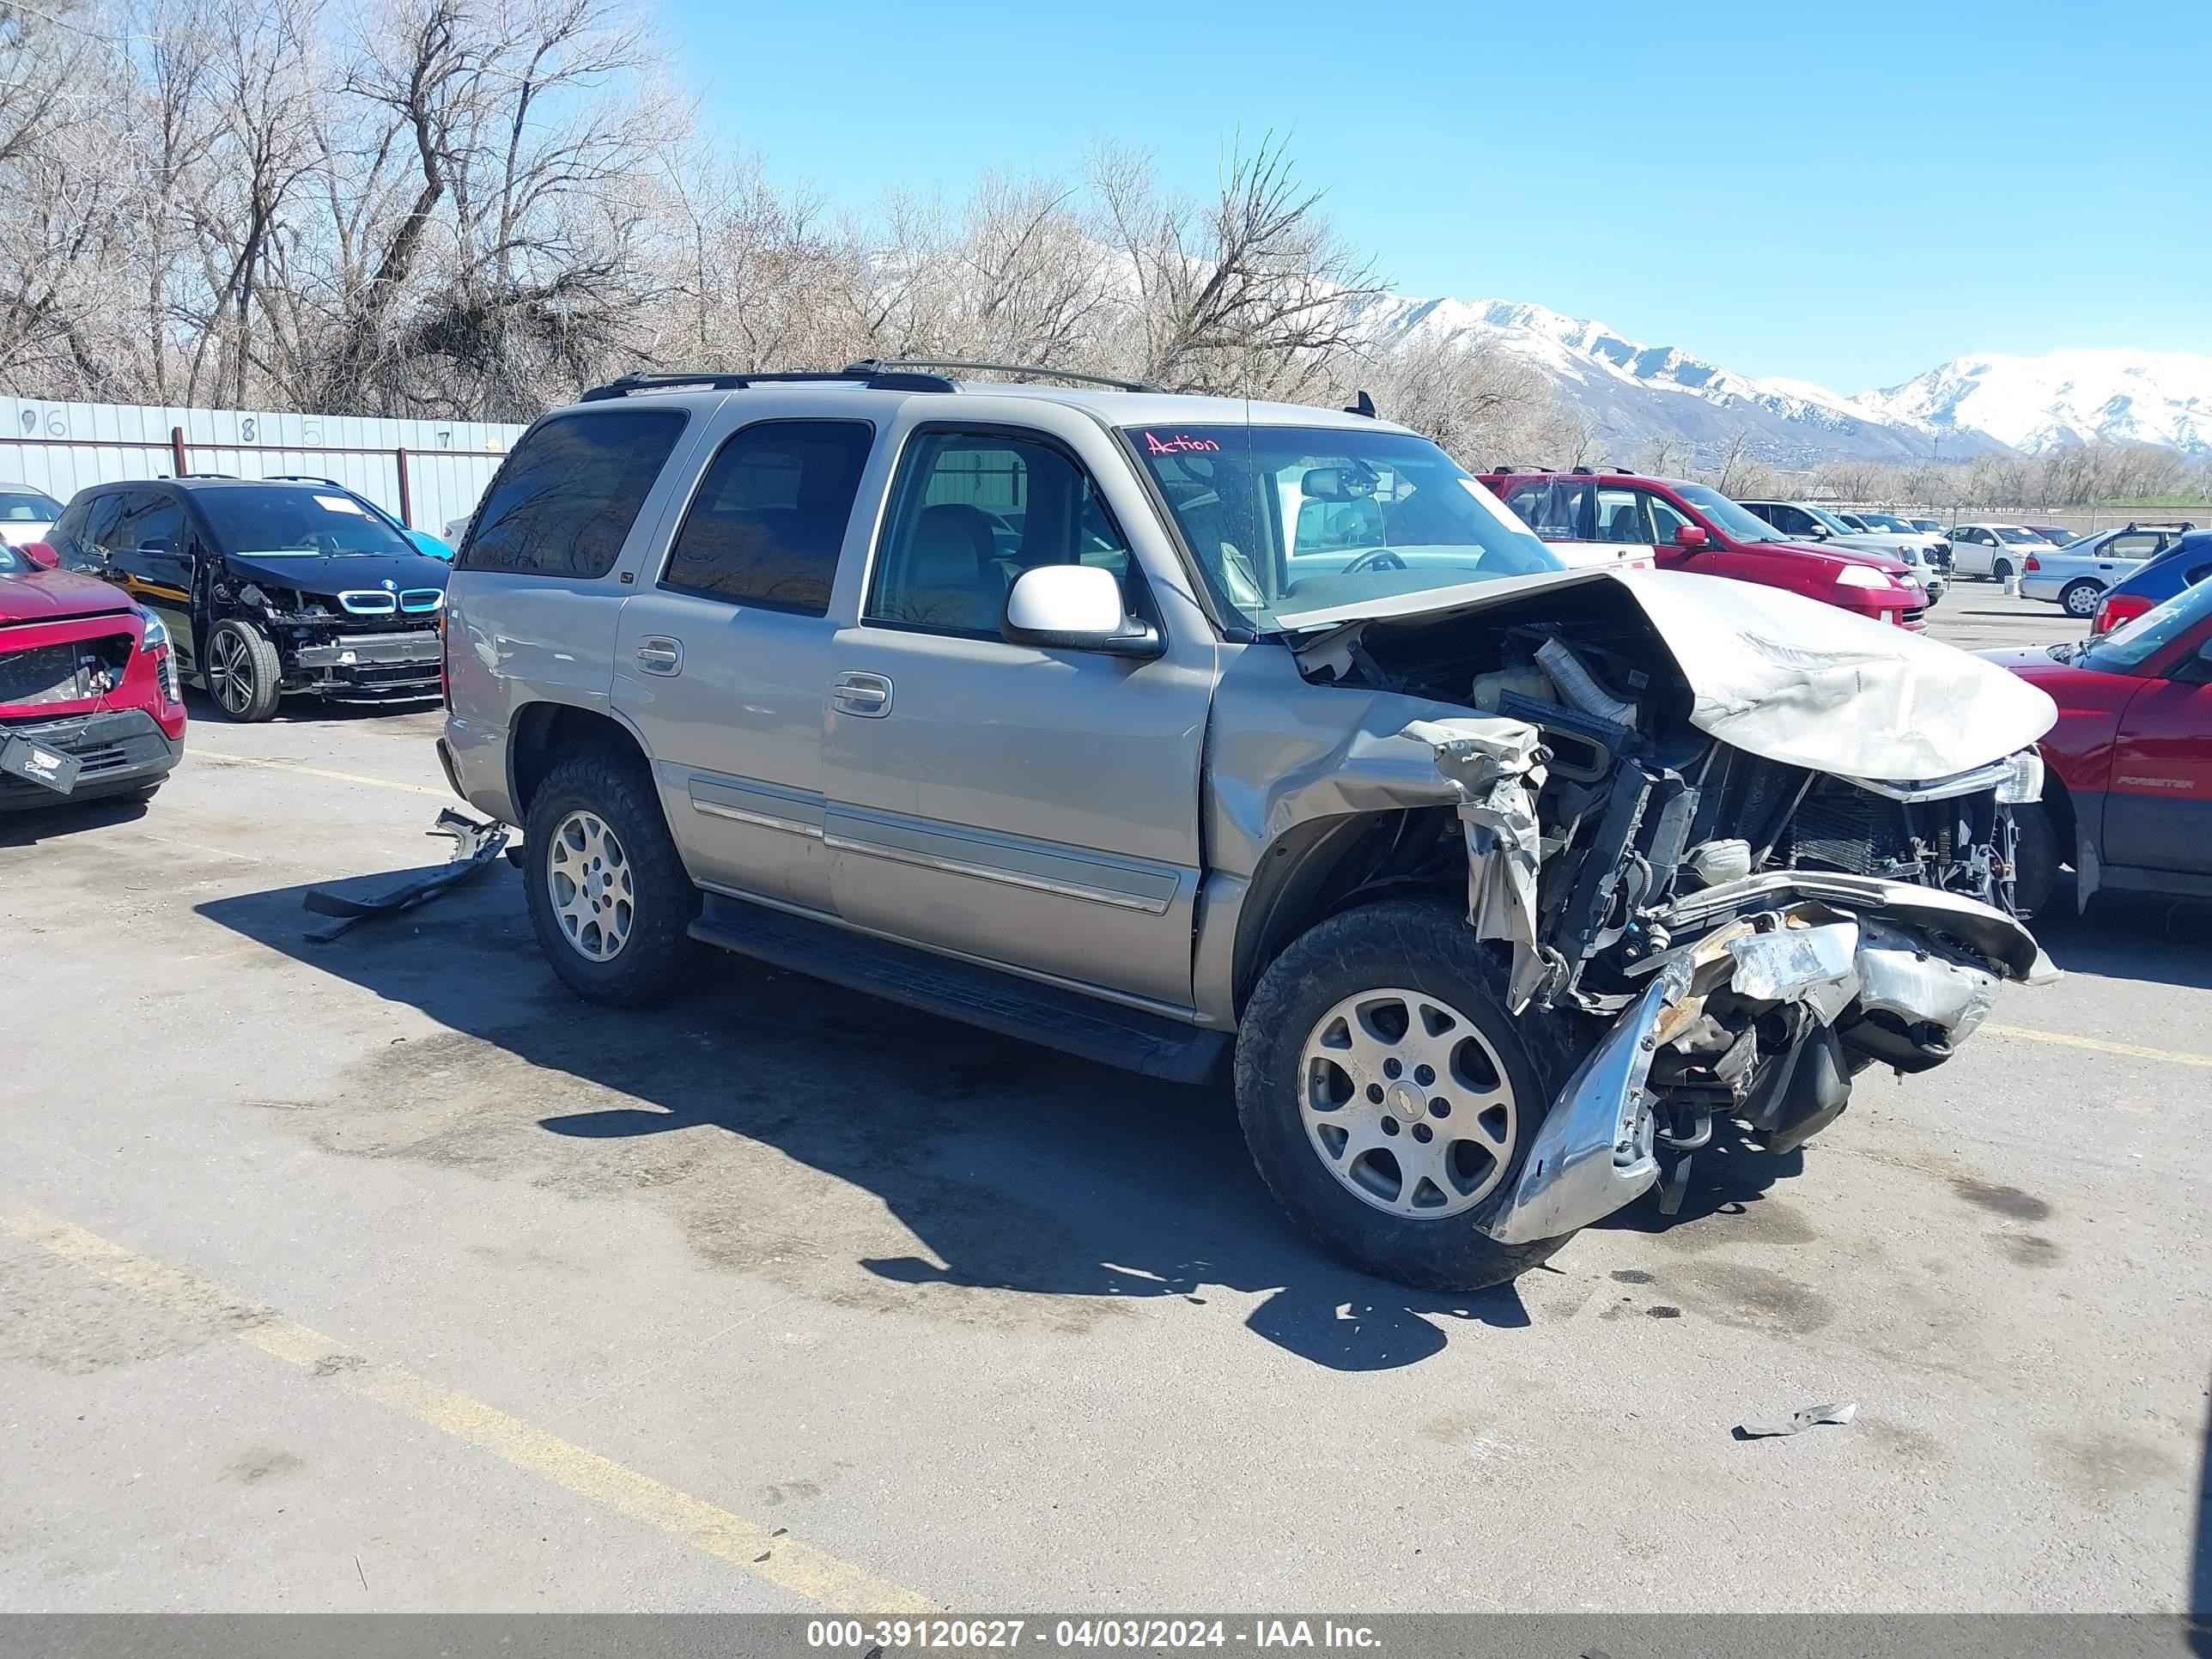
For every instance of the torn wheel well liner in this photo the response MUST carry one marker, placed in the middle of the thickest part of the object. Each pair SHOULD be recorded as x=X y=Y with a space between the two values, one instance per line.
x=1314 y=870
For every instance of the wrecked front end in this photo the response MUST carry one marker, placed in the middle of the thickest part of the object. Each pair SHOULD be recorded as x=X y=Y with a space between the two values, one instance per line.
x=1766 y=847
x=354 y=640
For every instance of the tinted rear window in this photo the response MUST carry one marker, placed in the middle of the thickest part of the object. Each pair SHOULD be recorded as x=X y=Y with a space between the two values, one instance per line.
x=564 y=503
x=770 y=517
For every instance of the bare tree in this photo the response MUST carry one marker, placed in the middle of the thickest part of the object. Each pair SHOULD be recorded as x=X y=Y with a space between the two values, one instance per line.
x=1252 y=292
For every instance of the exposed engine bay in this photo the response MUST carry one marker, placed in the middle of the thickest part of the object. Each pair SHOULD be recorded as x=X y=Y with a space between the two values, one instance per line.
x=1650 y=829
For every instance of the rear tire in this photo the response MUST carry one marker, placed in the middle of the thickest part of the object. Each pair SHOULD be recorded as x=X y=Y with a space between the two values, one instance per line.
x=244 y=674
x=2080 y=599
x=609 y=897
x=1380 y=987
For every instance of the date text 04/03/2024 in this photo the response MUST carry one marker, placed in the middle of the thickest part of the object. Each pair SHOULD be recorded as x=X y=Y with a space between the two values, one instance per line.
x=895 y=1635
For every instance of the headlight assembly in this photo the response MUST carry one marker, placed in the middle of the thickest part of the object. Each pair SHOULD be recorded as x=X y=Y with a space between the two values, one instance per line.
x=1862 y=575
x=2024 y=783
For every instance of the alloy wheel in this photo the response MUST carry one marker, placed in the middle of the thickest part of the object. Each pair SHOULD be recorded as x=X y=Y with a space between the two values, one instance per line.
x=1407 y=1104
x=594 y=895
x=230 y=671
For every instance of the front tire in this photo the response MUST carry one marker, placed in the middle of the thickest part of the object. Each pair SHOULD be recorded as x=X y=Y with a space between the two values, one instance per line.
x=2036 y=858
x=609 y=897
x=2080 y=599
x=2001 y=571
x=1388 y=1098
x=244 y=674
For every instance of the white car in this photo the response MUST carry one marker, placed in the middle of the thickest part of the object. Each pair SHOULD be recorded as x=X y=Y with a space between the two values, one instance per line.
x=1994 y=550
x=25 y=513
x=2075 y=576
x=1926 y=554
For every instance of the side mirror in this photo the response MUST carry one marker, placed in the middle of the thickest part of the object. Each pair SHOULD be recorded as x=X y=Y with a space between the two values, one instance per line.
x=1690 y=537
x=40 y=554
x=1820 y=533
x=1075 y=607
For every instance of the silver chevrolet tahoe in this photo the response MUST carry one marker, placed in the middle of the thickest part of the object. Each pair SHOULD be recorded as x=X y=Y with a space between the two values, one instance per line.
x=1202 y=736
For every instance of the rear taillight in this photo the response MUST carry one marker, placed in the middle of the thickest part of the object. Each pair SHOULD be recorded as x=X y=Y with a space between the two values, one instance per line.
x=2033 y=563
x=2118 y=607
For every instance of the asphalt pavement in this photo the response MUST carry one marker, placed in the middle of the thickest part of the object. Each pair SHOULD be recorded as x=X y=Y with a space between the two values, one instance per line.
x=380 y=1274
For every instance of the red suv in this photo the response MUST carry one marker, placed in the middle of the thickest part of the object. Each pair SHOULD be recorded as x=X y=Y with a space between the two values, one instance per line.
x=90 y=706
x=1588 y=517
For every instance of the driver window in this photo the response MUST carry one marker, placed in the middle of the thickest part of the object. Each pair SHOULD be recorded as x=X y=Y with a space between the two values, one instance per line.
x=974 y=510
x=151 y=520
x=1665 y=519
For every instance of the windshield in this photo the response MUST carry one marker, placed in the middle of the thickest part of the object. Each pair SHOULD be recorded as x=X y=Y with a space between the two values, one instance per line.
x=13 y=563
x=2016 y=536
x=28 y=507
x=295 y=520
x=1738 y=524
x=1287 y=519
x=2126 y=649
x=1883 y=521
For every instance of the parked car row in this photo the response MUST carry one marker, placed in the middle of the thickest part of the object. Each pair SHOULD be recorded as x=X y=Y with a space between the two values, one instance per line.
x=1620 y=518
x=267 y=587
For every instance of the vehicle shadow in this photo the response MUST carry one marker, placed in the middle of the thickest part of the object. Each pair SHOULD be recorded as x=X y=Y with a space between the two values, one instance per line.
x=1727 y=1175
x=2139 y=936
x=2200 y=1560
x=1018 y=1169
x=30 y=825
x=297 y=710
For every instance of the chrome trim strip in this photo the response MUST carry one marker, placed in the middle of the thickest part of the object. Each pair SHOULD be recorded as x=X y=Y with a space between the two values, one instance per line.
x=716 y=810
x=745 y=801
x=994 y=872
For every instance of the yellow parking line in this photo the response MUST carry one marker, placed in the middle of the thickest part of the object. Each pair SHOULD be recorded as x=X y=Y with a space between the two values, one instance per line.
x=783 y=1561
x=2132 y=1050
x=222 y=759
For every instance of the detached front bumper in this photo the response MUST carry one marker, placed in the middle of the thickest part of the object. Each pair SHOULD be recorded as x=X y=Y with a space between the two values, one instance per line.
x=367 y=666
x=116 y=752
x=1861 y=965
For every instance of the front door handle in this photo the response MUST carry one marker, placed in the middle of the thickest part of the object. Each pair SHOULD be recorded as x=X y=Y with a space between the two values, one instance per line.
x=866 y=694
x=660 y=656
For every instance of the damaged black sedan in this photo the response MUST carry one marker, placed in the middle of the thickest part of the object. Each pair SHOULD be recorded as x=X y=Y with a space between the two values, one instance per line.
x=268 y=589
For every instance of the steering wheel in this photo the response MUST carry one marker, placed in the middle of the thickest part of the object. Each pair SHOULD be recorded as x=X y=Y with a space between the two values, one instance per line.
x=1375 y=558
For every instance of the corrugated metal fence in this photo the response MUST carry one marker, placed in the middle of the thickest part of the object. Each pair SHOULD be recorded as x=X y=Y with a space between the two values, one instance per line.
x=427 y=472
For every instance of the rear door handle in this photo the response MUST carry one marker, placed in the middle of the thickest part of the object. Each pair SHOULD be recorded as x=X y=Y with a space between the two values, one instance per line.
x=660 y=656
x=868 y=696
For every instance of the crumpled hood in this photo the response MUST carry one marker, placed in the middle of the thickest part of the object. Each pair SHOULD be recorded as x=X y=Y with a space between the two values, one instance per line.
x=339 y=573
x=1779 y=675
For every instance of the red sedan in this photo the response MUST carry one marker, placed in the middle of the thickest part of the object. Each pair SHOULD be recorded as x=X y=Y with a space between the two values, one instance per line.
x=90 y=706
x=2127 y=796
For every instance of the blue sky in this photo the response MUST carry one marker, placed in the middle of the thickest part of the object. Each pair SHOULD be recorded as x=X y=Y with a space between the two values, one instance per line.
x=1848 y=193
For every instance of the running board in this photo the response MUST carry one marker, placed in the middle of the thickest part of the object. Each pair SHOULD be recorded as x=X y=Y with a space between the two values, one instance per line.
x=1001 y=1002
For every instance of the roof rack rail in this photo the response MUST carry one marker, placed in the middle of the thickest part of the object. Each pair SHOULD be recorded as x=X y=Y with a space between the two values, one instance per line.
x=1586 y=472
x=720 y=380
x=1045 y=371
x=302 y=477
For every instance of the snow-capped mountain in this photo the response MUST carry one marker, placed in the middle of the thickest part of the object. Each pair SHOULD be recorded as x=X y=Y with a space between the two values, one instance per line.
x=1635 y=392
x=2035 y=404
